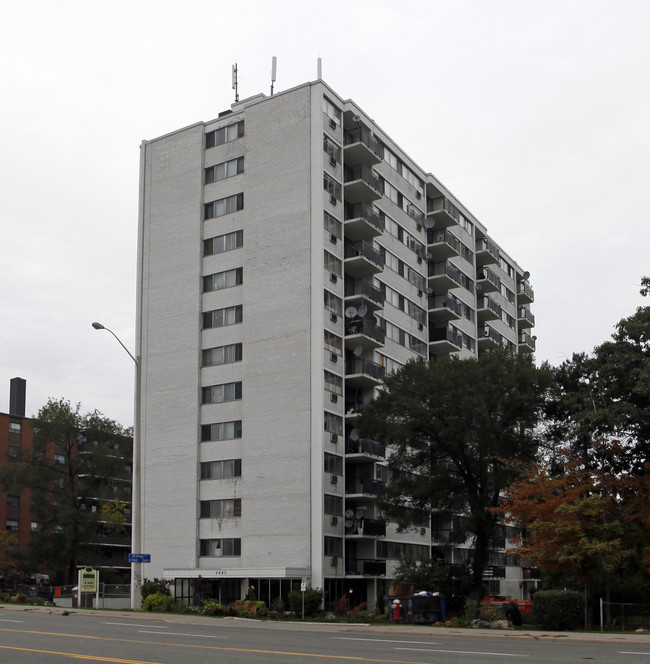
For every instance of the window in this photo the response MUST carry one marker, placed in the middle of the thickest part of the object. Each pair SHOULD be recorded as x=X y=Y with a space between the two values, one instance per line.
x=333 y=505
x=333 y=343
x=222 y=393
x=221 y=431
x=402 y=551
x=12 y=525
x=333 y=423
x=13 y=501
x=333 y=546
x=332 y=225
x=331 y=186
x=213 y=357
x=221 y=280
x=226 y=169
x=221 y=243
x=333 y=383
x=59 y=459
x=331 y=148
x=333 y=264
x=332 y=112
x=36 y=526
x=333 y=303
x=222 y=317
x=333 y=464
x=221 y=547
x=404 y=304
x=225 y=134
x=220 y=509
x=15 y=427
x=224 y=206
x=221 y=470
x=389 y=364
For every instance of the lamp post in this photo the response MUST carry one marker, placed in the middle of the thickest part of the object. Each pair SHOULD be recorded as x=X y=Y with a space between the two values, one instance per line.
x=136 y=570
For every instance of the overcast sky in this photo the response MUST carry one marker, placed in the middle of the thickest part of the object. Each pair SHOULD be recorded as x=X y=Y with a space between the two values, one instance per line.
x=535 y=114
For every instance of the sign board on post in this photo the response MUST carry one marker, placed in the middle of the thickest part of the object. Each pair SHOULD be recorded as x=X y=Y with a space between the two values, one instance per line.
x=139 y=557
x=88 y=583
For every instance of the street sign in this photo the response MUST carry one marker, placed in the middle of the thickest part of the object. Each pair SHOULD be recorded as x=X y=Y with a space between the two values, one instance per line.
x=139 y=557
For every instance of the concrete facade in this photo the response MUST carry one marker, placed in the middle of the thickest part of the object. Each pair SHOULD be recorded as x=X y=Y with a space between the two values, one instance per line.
x=344 y=260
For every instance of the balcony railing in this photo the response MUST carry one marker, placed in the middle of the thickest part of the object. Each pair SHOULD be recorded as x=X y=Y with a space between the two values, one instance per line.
x=365 y=446
x=526 y=340
x=361 y=567
x=367 y=528
x=365 y=486
x=487 y=251
x=444 y=269
x=444 y=236
x=442 y=204
x=365 y=327
x=525 y=292
x=363 y=211
x=363 y=288
x=524 y=315
x=490 y=334
x=447 y=301
x=485 y=302
x=364 y=250
x=448 y=334
x=363 y=173
x=363 y=135
x=362 y=366
x=489 y=279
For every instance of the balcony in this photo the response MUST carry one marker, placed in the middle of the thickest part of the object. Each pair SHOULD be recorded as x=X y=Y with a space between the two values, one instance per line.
x=361 y=259
x=361 y=147
x=526 y=342
x=525 y=293
x=442 y=244
x=487 y=280
x=443 y=212
x=444 y=340
x=364 y=449
x=443 y=276
x=361 y=184
x=364 y=486
x=486 y=252
x=487 y=309
x=443 y=308
x=365 y=528
x=362 y=332
x=525 y=318
x=360 y=567
x=488 y=335
x=494 y=572
x=360 y=372
x=360 y=292
x=362 y=222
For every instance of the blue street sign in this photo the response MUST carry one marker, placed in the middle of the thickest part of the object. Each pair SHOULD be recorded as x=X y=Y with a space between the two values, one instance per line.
x=139 y=557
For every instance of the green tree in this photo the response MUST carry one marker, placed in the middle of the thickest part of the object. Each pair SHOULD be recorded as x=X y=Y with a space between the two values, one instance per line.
x=454 y=427
x=77 y=462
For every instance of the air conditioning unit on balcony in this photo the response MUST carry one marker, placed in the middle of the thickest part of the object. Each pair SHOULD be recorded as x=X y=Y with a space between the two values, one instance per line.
x=334 y=479
x=418 y=195
x=423 y=531
x=332 y=199
x=419 y=293
x=334 y=520
x=333 y=561
x=334 y=357
x=332 y=238
x=335 y=439
x=486 y=332
x=332 y=123
x=334 y=398
x=420 y=327
x=333 y=277
x=332 y=161
x=333 y=318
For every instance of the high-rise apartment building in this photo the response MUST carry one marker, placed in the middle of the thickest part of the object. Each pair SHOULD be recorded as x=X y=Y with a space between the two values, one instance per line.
x=290 y=254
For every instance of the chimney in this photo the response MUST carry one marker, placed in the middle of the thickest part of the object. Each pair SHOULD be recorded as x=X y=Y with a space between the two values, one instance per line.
x=17 y=397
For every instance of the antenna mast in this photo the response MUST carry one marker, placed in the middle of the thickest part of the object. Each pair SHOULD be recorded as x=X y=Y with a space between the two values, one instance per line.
x=234 y=82
x=274 y=69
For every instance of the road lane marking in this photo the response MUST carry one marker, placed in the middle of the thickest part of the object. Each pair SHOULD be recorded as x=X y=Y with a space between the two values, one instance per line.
x=633 y=653
x=415 y=643
x=198 y=636
x=133 y=625
x=465 y=652
x=283 y=653
x=94 y=658
x=7 y=620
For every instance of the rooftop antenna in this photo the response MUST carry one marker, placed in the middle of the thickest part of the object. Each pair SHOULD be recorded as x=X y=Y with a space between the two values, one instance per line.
x=274 y=71
x=234 y=82
x=319 y=69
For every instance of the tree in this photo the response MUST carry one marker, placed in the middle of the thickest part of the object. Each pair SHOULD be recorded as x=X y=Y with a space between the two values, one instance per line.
x=77 y=462
x=453 y=426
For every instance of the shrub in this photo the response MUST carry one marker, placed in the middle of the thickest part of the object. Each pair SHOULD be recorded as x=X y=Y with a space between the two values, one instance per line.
x=159 y=602
x=212 y=608
x=313 y=599
x=278 y=606
x=558 y=609
x=153 y=587
x=261 y=610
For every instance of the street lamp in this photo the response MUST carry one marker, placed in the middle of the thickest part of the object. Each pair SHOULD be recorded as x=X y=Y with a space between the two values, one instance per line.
x=136 y=571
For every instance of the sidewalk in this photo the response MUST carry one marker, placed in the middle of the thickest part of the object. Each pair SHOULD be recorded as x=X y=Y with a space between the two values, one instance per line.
x=420 y=630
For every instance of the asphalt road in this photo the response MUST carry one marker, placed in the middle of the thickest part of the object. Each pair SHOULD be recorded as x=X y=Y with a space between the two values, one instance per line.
x=42 y=637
